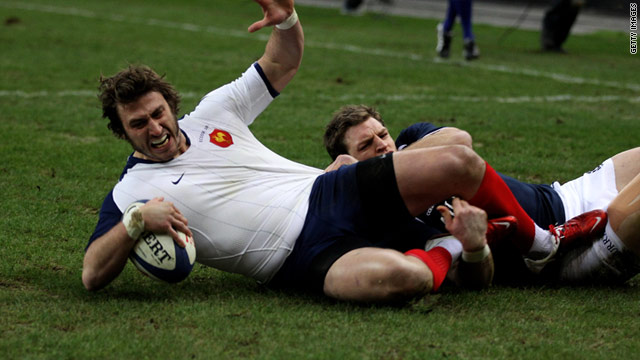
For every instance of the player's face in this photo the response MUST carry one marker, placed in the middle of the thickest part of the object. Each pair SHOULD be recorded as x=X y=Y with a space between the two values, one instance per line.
x=151 y=128
x=368 y=139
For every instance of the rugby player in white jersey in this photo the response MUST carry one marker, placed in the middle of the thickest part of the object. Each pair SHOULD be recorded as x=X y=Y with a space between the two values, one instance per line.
x=358 y=132
x=253 y=212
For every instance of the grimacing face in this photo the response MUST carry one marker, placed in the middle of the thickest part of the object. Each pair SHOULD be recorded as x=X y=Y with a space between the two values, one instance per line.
x=151 y=128
x=368 y=139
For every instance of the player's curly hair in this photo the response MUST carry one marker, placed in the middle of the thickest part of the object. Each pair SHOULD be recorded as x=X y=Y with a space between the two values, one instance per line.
x=343 y=119
x=128 y=86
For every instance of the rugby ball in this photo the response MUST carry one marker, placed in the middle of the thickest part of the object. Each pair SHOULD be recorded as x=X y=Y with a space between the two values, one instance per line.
x=161 y=258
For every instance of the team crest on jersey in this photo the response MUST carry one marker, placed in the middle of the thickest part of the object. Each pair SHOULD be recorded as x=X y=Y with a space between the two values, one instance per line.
x=221 y=138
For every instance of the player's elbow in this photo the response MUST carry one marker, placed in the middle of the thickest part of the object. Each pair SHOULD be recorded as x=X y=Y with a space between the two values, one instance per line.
x=93 y=279
x=89 y=281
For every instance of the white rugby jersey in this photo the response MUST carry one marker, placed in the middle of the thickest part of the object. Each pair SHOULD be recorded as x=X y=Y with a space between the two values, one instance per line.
x=245 y=204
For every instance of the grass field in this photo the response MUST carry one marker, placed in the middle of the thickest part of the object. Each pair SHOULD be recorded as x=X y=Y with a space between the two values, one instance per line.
x=538 y=117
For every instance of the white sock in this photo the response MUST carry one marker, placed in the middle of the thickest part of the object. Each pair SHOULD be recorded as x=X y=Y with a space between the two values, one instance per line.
x=449 y=243
x=543 y=244
x=615 y=243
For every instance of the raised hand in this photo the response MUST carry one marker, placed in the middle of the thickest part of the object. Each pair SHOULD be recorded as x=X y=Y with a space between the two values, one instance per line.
x=275 y=12
x=469 y=225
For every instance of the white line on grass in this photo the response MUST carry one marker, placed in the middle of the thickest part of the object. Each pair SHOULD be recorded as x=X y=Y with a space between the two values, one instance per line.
x=479 y=99
x=20 y=94
x=361 y=97
x=329 y=46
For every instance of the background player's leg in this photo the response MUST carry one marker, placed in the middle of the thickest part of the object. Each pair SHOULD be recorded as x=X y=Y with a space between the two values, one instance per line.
x=431 y=175
x=624 y=216
x=627 y=166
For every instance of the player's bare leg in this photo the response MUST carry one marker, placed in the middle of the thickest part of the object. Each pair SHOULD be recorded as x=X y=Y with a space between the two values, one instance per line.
x=627 y=166
x=377 y=275
x=384 y=275
x=624 y=216
x=429 y=175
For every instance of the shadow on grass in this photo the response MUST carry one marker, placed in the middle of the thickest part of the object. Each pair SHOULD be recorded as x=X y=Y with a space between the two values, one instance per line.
x=206 y=285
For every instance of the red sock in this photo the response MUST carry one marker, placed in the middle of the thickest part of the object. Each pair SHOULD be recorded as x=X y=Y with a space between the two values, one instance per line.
x=438 y=260
x=495 y=197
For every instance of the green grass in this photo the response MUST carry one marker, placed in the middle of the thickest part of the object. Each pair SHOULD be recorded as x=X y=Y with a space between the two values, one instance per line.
x=59 y=161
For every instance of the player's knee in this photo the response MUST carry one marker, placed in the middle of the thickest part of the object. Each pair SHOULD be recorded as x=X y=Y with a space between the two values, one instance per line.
x=404 y=280
x=379 y=275
x=461 y=161
x=461 y=137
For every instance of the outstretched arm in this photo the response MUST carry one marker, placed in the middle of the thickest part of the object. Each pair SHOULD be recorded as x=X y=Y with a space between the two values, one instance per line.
x=283 y=53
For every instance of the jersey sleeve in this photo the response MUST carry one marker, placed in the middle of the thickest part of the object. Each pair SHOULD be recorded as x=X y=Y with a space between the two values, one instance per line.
x=414 y=133
x=244 y=98
x=110 y=216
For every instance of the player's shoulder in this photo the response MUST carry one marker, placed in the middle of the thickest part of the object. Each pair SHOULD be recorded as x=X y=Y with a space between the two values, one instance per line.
x=414 y=133
x=422 y=128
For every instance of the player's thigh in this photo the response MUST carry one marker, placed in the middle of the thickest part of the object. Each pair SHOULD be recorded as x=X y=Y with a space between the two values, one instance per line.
x=627 y=166
x=428 y=176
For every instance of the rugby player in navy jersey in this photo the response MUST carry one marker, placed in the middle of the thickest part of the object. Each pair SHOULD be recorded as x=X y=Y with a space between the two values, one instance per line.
x=357 y=132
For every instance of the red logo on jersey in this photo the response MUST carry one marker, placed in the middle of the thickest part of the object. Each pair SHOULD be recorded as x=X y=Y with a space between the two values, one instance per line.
x=221 y=138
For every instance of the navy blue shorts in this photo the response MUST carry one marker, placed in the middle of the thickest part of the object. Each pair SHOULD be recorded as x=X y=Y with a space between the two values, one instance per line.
x=541 y=202
x=356 y=206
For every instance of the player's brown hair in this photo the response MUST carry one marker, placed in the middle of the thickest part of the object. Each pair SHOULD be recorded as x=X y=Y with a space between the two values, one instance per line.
x=128 y=86
x=343 y=119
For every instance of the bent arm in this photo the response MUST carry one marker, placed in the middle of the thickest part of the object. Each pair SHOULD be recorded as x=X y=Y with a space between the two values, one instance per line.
x=107 y=255
x=444 y=136
x=283 y=53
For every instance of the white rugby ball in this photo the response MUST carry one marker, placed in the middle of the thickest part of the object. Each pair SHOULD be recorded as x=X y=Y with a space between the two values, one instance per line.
x=161 y=258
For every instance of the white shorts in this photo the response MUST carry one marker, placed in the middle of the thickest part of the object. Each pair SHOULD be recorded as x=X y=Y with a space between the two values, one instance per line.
x=593 y=190
x=604 y=261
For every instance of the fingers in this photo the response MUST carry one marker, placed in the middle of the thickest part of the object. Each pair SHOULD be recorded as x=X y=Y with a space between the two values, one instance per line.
x=155 y=200
x=178 y=223
x=469 y=224
x=461 y=207
x=458 y=203
x=176 y=237
x=275 y=12
x=446 y=215
x=258 y=25
x=163 y=217
x=181 y=225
